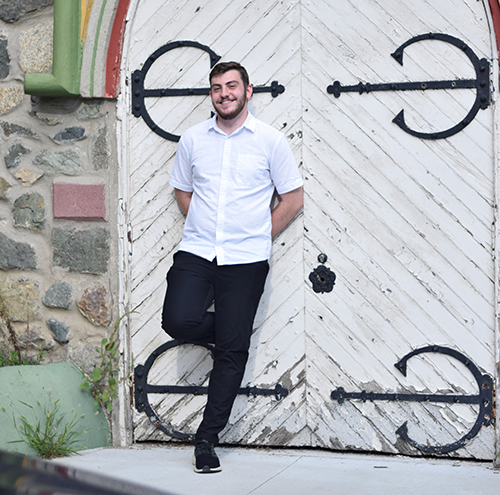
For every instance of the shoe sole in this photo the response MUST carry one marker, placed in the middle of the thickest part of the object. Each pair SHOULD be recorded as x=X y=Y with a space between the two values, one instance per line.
x=205 y=469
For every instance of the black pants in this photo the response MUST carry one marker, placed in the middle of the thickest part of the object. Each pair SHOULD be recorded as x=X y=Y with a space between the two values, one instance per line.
x=192 y=284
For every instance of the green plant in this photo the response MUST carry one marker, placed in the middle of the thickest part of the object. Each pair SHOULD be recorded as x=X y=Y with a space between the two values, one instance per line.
x=11 y=357
x=50 y=437
x=102 y=382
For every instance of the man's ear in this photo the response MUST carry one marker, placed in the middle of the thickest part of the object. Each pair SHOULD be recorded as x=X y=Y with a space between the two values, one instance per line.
x=249 y=91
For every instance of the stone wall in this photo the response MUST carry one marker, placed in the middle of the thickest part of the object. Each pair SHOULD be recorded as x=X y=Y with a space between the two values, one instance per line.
x=58 y=250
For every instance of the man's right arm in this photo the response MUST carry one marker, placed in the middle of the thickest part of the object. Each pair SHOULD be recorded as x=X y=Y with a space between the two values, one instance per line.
x=183 y=199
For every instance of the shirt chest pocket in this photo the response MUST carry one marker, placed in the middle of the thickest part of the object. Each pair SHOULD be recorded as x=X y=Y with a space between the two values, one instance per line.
x=252 y=171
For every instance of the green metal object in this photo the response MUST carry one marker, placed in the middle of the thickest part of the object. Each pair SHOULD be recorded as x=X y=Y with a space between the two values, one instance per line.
x=67 y=55
x=27 y=390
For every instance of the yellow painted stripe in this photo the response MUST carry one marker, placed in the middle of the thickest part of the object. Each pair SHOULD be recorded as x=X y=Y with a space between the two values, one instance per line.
x=87 y=6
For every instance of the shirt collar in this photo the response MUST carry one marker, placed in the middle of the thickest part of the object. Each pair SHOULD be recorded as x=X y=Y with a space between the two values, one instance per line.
x=250 y=124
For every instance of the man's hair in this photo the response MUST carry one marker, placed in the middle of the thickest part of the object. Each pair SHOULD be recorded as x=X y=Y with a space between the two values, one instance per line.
x=224 y=67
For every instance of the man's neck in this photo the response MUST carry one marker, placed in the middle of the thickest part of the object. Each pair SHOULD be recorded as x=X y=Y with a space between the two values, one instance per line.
x=230 y=125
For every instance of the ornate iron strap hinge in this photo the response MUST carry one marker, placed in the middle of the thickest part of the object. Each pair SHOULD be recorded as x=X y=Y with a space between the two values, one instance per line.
x=481 y=83
x=139 y=93
x=143 y=388
x=484 y=399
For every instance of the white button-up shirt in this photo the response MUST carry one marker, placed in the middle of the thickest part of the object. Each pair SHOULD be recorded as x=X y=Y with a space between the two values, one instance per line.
x=232 y=179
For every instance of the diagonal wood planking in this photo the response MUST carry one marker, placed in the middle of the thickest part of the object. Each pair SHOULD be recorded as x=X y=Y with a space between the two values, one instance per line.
x=266 y=38
x=406 y=224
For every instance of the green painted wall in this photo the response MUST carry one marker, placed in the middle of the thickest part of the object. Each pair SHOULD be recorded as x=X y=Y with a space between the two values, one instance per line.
x=46 y=384
x=67 y=55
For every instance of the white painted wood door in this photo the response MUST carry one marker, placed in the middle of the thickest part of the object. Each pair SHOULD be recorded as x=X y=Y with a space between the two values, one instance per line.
x=265 y=37
x=406 y=223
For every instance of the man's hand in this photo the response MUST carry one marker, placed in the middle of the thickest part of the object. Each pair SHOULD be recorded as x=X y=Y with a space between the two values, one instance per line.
x=289 y=205
x=183 y=199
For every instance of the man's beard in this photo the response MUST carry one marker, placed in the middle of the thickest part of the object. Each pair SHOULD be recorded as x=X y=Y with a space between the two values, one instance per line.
x=241 y=103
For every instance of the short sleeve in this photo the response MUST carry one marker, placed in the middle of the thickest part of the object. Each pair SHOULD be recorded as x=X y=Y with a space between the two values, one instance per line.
x=284 y=171
x=182 y=174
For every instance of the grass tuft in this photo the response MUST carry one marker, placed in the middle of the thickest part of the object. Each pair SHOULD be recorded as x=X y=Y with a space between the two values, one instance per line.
x=51 y=436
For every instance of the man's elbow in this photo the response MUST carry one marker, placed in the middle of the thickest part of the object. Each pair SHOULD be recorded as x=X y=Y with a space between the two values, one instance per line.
x=299 y=200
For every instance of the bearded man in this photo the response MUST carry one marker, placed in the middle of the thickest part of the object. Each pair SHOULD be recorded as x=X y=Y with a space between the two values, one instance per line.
x=225 y=174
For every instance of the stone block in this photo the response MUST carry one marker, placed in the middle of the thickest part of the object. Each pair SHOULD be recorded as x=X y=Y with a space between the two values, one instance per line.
x=4 y=187
x=12 y=10
x=101 y=151
x=58 y=295
x=16 y=255
x=51 y=106
x=36 y=48
x=45 y=119
x=27 y=177
x=92 y=110
x=79 y=201
x=10 y=129
x=20 y=299
x=10 y=97
x=94 y=305
x=29 y=211
x=85 y=251
x=14 y=154
x=59 y=330
x=4 y=58
x=30 y=341
x=66 y=162
x=70 y=135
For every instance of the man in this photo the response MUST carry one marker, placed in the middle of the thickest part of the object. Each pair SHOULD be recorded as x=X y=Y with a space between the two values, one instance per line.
x=225 y=173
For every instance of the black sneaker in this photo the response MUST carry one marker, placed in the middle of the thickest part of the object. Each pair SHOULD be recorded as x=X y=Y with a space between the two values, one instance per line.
x=205 y=459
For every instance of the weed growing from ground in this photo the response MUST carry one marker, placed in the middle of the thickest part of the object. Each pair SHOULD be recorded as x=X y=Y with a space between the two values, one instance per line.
x=51 y=436
x=103 y=381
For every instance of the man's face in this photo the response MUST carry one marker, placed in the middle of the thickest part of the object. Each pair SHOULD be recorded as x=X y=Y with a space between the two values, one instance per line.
x=229 y=96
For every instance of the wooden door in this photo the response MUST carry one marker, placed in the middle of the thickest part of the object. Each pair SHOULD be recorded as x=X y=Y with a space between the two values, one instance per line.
x=405 y=221
x=265 y=37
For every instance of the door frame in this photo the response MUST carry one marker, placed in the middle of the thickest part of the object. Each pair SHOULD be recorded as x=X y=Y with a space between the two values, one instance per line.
x=122 y=416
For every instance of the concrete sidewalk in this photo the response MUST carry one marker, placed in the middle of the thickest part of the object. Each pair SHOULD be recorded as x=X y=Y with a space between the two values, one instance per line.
x=260 y=471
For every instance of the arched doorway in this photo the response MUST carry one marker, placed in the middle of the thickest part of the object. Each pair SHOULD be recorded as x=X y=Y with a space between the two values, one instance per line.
x=403 y=214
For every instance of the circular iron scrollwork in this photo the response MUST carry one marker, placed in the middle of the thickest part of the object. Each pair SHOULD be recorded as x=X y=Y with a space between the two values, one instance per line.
x=139 y=92
x=484 y=398
x=143 y=388
x=481 y=84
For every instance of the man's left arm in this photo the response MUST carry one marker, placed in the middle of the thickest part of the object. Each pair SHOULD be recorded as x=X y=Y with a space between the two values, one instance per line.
x=289 y=205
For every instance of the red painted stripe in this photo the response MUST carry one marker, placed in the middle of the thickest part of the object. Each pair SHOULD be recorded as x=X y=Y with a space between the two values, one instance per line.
x=113 y=57
x=495 y=14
